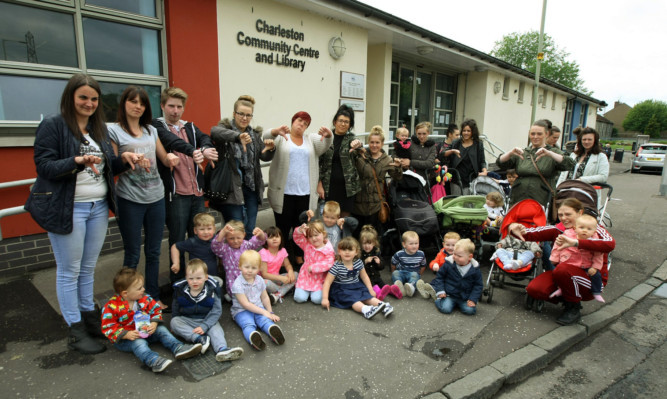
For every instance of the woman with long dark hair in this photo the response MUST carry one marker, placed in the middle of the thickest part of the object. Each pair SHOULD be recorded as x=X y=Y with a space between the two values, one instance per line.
x=140 y=191
x=468 y=153
x=71 y=199
x=592 y=165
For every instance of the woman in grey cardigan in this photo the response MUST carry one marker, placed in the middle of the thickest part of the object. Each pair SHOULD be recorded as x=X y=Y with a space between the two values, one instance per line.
x=249 y=149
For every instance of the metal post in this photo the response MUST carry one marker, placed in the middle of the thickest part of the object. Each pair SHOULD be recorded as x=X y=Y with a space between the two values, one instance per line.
x=663 y=181
x=540 y=56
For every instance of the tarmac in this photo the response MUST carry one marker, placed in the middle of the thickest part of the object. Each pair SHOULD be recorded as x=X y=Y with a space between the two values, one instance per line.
x=416 y=353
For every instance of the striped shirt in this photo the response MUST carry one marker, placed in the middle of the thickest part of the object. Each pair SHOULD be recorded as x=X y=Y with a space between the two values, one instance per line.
x=412 y=263
x=343 y=275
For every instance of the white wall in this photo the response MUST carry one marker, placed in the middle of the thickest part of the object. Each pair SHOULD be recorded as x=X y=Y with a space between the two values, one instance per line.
x=378 y=87
x=281 y=91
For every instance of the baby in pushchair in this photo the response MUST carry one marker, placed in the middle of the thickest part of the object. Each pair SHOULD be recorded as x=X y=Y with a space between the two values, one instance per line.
x=515 y=253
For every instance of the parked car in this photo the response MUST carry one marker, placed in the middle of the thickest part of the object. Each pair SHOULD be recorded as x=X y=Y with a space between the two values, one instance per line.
x=649 y=156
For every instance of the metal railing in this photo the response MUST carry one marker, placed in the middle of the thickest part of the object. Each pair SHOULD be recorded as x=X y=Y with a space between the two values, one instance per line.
x=16 y=210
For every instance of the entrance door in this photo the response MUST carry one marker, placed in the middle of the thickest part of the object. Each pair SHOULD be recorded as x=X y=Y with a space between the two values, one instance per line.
x=414 y=103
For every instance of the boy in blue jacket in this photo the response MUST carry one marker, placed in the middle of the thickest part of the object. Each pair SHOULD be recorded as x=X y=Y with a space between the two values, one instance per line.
x=196 y=309
x=458 y=282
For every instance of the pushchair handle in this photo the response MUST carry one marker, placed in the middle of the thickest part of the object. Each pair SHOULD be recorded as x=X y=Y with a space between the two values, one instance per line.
x=604 y=185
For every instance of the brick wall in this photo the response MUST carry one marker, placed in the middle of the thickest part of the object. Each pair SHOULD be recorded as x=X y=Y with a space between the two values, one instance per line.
x=27 y=254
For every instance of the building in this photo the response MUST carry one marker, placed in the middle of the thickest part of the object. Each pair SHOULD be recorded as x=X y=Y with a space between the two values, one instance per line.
x=617 y=115
x=603 y=126
x=291 y=55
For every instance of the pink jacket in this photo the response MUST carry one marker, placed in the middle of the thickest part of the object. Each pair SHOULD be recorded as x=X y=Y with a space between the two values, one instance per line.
x=319 y=261
x=575 y=256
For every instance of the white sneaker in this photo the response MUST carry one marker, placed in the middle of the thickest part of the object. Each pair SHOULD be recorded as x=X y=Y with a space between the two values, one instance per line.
x=229 y=354
x=409 y=289
x=205 y=343
x=388 y=309
x=374 y=310
x=400 y=286
x=420 y=289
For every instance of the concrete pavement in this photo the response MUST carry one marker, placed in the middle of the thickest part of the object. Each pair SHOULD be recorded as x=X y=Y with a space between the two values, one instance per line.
x=416 y=353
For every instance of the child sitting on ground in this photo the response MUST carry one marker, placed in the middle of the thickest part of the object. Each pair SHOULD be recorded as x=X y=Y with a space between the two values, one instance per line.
x=197 y=247
x=402 y=143
x=408 y=264
x=336 y=226
x=448 y=242
x=196 y=309
x=274 y=256
x=585 y=228
x=318 y=256
x=372 y=258
x=495 y=208
x=515 y=253
x=343 y=287
x=458 y=282
x=229 y=244
x=251 y=307
x=130 y=321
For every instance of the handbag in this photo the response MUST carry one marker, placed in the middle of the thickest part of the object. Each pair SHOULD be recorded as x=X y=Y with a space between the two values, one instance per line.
x=553 y=209
x=384 y=212
x=218 y=177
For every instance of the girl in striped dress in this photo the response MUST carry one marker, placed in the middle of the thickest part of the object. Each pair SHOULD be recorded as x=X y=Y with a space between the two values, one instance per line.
x=343 y=288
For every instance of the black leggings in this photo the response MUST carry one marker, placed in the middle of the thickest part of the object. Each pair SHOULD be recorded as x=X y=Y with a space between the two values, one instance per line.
x=293 y=206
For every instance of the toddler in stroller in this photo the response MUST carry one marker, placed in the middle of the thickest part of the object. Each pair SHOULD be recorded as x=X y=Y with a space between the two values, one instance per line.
x=515 y=253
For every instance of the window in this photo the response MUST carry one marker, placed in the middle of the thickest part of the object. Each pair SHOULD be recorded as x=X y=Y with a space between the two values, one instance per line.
x=506 y=88
x=119 y=42
x=522 y=89
x=544 y=98
x=443 y=108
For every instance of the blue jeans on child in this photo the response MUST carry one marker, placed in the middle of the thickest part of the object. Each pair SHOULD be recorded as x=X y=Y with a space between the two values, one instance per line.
x=76 y=255
x=249 y=322
x=446 y=305
x=301 y=295
x=596 y=283
x=141 y=349
x=183 y=326
x=507 y=254
x=405 y=276
x=131 y=217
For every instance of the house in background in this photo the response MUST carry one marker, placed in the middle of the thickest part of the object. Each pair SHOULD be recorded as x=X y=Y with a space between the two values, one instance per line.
x=604 y=126
x=617 y=115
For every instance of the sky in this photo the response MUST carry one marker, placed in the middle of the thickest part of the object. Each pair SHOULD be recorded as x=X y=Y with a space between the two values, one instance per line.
x=620 y=45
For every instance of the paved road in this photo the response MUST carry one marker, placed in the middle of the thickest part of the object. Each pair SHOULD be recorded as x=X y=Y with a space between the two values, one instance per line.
x=339 y=354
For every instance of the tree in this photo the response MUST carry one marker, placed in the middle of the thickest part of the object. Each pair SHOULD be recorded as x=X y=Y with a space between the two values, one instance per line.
x=520 y=49
x=640 y=117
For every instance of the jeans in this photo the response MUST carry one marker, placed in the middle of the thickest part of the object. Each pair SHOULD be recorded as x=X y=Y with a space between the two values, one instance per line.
x=249 y=321
x=182 y=326
x=546 y=247
x=76 y=256
x=181 y=211
x=506 y=256
x=282 y=289
x=596 y=283
x=446 y=305
x=405 y=276
x=301 y=296
x=141 y=349
x=131 y=217
x=246 y=213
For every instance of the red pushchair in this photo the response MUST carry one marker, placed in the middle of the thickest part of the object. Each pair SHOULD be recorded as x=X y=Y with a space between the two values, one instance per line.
x=530 y=214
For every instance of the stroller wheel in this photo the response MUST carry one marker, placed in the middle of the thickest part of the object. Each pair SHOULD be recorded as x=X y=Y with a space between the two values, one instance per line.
x=530 y=301
x=489 y=293
x=538 y=306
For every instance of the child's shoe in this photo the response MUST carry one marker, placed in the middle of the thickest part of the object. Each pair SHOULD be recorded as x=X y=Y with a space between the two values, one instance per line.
x=409 y=289
x=400 y=286
x=228 y=298
x=273 y=298
x=395 y=291
x=387 y=309
x=276 y=334
x=187 y=351
x=508 y=266
x=556 y=293
x=370 y=311
x=205 y=342
x=517 y=264
x=421 y=289
x=229 y=354
x=430 y=291
x=256 y=341
x=377 y=290
x=598 y=298
x=160 y=364
x=384 y=292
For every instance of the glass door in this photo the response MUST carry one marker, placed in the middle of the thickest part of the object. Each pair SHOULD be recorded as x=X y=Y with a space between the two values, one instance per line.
x=414 y=99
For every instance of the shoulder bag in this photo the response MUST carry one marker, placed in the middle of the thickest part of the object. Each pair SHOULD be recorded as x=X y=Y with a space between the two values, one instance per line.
x=218 y=176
